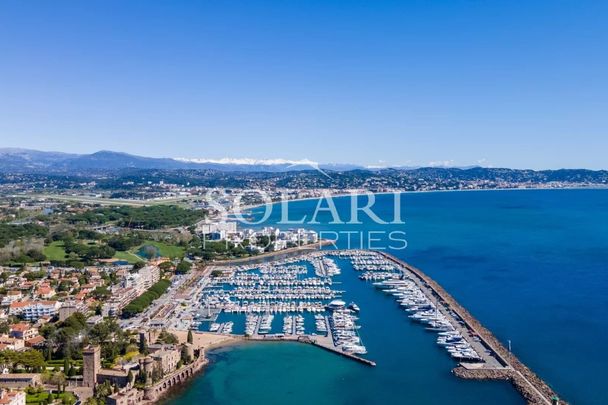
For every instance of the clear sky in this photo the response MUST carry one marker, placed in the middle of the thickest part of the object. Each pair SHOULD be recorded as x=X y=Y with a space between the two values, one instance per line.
x=503 y=83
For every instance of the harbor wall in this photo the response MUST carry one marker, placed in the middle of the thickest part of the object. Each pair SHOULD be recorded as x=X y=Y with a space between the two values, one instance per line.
x=532 y=387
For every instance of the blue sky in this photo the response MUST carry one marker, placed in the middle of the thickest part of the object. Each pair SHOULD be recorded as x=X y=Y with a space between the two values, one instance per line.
x=501 y=83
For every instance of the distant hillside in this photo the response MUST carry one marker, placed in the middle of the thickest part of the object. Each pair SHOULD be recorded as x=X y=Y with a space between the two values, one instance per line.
x=25 y=160
x=73 y=168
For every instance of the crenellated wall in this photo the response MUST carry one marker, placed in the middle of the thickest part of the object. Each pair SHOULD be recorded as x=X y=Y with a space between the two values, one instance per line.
x=156 y=391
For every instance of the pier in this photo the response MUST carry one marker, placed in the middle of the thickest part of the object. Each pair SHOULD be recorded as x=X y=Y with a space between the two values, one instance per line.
x=319 y=341
x=325 y=342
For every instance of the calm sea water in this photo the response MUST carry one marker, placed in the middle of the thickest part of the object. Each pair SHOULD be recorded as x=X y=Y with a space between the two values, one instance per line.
x=530 y=265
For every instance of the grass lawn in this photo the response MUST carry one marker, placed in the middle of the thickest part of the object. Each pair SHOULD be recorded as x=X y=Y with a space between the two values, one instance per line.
x=54 y=251
x=128 y=256
x=164 y=249
x=39 y=398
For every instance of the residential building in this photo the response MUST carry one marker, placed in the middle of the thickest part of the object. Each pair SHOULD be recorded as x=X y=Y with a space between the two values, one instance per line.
x=12 y=397
x=23 y=331
x=32 y=310
x=11 y=296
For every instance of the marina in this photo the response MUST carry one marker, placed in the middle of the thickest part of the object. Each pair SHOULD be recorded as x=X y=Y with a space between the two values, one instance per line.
x=289 y=299
x=301 y=299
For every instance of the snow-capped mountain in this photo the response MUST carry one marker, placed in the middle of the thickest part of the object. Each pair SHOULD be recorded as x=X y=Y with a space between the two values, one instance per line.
x=12 y=159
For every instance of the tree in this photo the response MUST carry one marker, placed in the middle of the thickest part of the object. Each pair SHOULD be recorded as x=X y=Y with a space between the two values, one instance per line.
x=58 y=379
x=183 y=267
x=102 y=391
x=165 y=266
x=68 y=400
x=101 y=293
x=167 y=338
x=138 y=265
x=184 y=356
x=143 y=346
x=140 y=303
x=190 y=337
x=72 y=371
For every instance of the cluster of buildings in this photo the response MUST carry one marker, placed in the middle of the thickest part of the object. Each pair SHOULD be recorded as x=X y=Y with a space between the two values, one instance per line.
x=32 y=310
x=20 y=336
x=130 y=287
x=147 y=376
x=256 y=240
x=27 y=303
x=42 y=296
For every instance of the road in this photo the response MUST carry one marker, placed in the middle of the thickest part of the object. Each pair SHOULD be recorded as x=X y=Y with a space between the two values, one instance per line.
x=175 y=308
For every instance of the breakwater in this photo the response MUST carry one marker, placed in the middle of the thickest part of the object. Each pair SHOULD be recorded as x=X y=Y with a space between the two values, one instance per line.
x=533 y=388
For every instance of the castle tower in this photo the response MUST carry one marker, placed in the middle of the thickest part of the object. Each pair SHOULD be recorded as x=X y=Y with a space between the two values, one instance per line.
x=91 y=364
x=149 y=366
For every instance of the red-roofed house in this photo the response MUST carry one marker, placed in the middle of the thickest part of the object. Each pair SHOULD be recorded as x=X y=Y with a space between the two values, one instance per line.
x=45 y=292
x=23 y=331
x=36 y=341
x=12 y=397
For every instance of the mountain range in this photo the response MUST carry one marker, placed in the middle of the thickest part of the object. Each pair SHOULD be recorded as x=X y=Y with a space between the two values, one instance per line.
x=16 y=160
x=27 y=160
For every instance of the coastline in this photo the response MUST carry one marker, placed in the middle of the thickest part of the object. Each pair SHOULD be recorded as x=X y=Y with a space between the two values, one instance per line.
x=343 y=195
x=206 y=342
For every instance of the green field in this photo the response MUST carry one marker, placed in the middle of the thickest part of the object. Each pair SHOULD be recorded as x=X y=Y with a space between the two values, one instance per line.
x=54 y=251
x=164 y=249
x=128 y=256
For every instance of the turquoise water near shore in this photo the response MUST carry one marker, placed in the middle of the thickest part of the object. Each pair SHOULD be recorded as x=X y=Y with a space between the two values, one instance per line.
x=530 y=265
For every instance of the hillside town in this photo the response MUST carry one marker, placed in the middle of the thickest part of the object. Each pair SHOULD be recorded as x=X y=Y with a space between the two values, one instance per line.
x=97 y=303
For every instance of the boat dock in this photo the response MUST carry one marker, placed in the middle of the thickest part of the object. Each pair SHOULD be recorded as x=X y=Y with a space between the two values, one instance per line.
x=323 y=342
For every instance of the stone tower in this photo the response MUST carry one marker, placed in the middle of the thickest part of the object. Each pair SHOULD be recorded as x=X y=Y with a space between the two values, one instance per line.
x=91 y=364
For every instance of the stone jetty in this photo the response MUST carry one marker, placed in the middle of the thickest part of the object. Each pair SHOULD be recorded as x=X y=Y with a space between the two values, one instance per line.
x=532 y=388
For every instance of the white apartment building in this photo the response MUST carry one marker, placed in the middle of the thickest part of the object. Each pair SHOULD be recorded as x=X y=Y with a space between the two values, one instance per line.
x=145 y=278
x=33 y=310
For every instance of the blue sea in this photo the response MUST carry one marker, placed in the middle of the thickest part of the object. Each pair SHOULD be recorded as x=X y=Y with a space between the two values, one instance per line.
x=530 y=265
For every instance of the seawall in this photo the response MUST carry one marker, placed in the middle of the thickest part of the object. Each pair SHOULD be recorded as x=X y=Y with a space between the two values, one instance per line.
x=532 y=387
